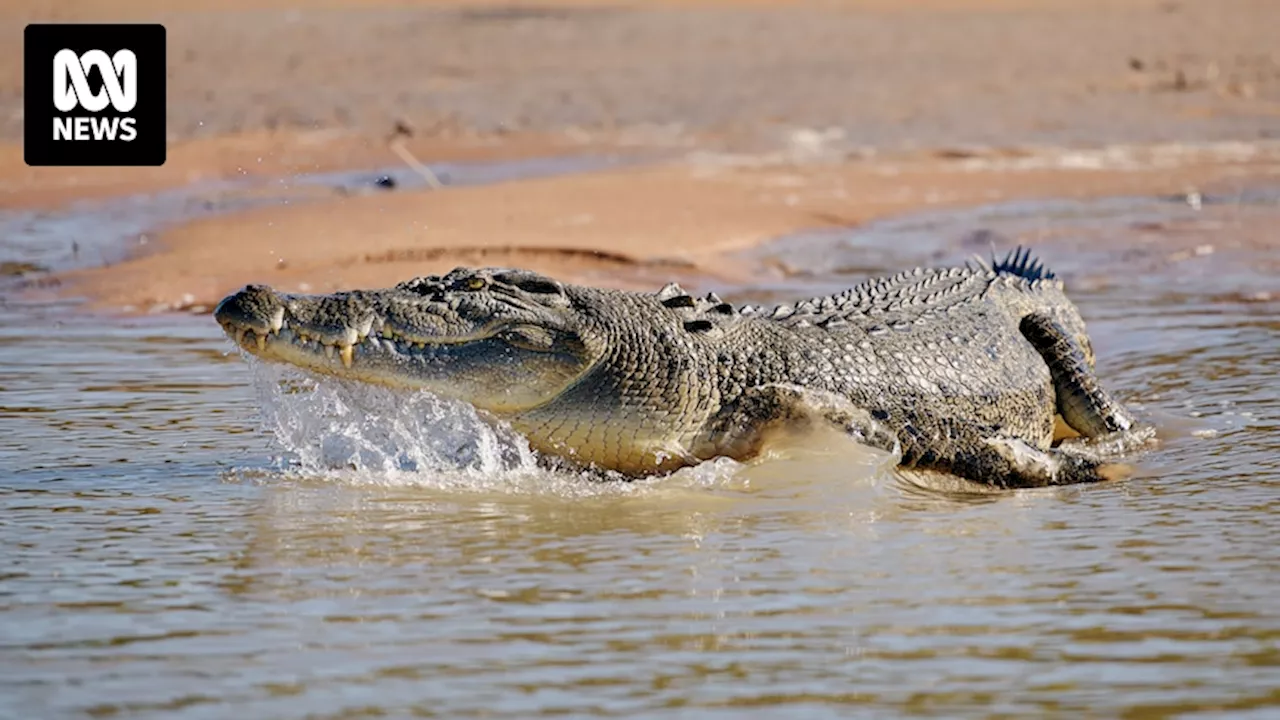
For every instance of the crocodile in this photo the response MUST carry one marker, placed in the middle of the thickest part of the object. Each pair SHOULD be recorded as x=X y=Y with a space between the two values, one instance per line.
x=963 y=370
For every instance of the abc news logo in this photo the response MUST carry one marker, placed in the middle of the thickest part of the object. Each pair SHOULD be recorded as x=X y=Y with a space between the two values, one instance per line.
x=94 y=95
x=71 y=90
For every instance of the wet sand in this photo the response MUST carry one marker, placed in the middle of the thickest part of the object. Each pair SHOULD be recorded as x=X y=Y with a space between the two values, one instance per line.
x=769 y=117
x=636 y=227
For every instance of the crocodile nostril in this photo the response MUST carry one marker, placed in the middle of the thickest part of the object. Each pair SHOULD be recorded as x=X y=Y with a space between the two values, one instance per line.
x=255 y=307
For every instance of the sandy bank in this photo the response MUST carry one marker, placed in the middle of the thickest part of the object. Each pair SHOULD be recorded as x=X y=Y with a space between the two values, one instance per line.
x=626 y=227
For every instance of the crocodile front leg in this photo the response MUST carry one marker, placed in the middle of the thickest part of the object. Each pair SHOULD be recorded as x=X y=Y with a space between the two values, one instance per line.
x=742 y=429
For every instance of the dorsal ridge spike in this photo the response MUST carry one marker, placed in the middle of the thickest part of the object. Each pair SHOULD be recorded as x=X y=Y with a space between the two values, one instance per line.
x=1021 y=263
x=670 y=290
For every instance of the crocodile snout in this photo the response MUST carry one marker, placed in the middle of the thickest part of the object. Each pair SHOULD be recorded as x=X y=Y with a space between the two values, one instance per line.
x=255 y=307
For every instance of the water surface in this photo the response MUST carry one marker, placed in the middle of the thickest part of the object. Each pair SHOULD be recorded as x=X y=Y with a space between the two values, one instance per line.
x=165 y=556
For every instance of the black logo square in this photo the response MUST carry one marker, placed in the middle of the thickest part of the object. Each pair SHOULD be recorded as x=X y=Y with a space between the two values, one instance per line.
x=94 y=94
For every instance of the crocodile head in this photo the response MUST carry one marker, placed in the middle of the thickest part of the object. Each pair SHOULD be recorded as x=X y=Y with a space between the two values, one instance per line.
x=503 y=340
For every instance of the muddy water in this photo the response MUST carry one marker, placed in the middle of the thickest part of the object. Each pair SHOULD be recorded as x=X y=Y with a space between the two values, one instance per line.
x=164 y=556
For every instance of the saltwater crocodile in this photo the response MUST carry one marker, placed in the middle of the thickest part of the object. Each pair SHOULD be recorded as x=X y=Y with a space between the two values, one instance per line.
x=960 y=370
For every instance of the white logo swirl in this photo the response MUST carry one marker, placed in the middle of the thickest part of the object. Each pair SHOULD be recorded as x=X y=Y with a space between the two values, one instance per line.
x=119 y=80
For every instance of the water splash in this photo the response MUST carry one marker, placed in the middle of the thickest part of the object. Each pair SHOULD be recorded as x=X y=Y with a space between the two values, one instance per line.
x=369 y=435
x=337 y=425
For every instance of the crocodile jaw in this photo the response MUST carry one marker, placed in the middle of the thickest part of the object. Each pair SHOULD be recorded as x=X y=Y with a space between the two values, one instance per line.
x=479 y=365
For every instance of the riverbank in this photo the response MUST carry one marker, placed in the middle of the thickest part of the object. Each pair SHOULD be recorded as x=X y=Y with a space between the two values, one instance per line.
x=627 y=227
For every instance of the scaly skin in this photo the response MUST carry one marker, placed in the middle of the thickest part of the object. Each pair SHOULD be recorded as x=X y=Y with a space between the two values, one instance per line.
x=962 y=370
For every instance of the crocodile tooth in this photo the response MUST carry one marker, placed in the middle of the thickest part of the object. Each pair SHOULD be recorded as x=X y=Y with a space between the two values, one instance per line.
x=365 y=329
x=348 y=355
x=262 y=342
x=277 y=320
x=328 y=351
x=240 y=336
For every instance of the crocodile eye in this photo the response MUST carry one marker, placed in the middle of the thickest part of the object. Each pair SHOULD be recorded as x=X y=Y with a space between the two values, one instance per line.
x=475 y=283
